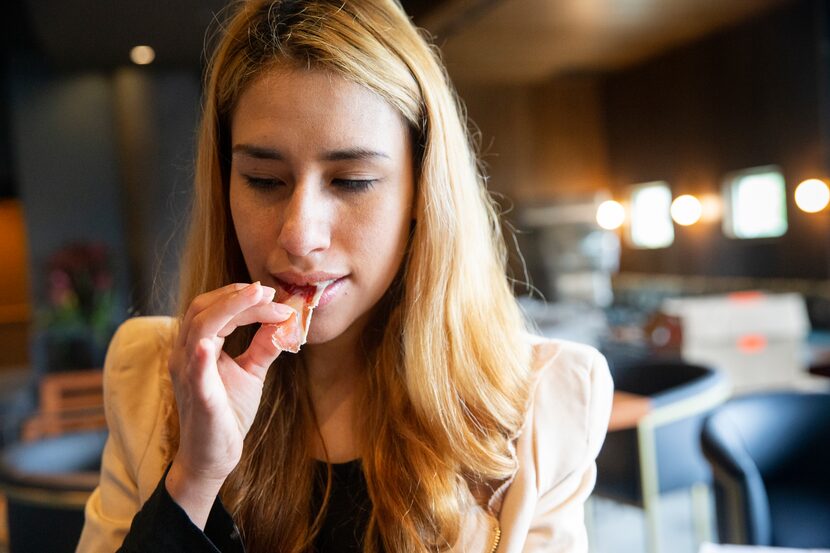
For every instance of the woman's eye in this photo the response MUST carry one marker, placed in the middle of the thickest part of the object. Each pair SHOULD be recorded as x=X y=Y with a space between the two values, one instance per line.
x=262 y=182
x=354 y=185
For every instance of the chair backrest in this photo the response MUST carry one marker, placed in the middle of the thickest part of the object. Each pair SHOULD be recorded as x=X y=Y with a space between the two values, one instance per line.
x=70 y=401
x=758 y=445
x=778 y=432
x=662 y=380
x=46 y=483
x=679 y=462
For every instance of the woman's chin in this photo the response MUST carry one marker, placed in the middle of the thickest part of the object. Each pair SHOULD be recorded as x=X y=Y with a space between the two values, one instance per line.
x=330 y=332
x=320 y=335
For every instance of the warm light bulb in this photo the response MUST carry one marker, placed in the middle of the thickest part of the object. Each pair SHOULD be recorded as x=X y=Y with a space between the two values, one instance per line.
x=142 y=55
x=686 y=210
x=610 y=215
x=812 y=195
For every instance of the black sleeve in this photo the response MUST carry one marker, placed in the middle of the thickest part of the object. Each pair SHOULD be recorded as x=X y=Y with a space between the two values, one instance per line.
x=161 y=525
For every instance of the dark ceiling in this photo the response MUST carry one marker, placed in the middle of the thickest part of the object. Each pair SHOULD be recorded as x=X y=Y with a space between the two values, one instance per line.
x=87 y=34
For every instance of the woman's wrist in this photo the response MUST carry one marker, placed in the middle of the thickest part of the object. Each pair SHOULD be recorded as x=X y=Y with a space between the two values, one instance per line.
x=195 y=494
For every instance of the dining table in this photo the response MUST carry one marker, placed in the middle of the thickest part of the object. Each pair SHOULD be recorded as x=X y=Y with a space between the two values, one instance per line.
x=627 y=410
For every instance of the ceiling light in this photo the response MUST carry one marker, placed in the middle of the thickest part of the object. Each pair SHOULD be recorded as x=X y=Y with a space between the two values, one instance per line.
x=142 y=55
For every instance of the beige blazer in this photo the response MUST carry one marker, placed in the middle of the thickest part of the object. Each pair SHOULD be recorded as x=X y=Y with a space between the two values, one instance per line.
x=540 y=509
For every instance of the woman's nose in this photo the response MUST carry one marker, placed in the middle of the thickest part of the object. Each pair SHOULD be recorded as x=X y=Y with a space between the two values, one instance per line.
x=306 y=226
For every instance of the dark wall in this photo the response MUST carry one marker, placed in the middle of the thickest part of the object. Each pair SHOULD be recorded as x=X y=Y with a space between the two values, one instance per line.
x=14 y=36
x=106 y=157
x=64 y=154
x=748 y=96
x=7 y=184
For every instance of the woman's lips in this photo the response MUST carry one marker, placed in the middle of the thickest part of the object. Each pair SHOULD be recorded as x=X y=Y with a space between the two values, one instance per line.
x=331 y=291
x=286 y=290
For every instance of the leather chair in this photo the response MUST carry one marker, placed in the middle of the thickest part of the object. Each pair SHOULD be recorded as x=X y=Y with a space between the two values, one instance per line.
x=770 y=456
x=46 y=484
x=662 y=453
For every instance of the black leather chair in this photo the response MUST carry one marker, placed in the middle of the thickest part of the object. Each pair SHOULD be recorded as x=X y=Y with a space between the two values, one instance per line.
x=770 y=456
x=46 y=484
x=662 y=453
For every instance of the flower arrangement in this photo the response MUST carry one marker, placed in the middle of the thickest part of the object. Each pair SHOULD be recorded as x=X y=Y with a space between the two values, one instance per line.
x=79 y=316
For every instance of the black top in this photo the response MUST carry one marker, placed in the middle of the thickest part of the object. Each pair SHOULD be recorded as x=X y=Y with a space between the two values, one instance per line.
x=348 y=509
x=161 y=525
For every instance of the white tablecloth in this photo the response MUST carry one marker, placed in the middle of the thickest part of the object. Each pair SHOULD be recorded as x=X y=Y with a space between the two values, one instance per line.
x=716 y=548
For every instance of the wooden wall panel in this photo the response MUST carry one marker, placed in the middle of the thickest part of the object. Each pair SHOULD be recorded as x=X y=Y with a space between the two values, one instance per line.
x=748 y=96
x=15 y=310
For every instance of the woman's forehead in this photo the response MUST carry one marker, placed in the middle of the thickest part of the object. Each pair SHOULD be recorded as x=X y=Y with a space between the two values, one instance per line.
x=315 y=105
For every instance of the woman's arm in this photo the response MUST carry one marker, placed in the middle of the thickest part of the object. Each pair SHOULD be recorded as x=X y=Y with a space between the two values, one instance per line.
x=216 y=396
x=572 y=406
x=162 y=525
x=132 y=400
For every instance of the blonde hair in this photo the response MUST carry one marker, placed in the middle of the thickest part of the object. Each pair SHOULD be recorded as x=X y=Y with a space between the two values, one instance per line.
x=448 y=366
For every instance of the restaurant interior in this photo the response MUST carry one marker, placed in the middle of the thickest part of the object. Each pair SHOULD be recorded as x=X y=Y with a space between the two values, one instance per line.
x=662 y=169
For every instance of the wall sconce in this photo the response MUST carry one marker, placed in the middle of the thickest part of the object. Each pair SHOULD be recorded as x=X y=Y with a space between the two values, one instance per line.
x=686 y=210
x=812 y=195
x=610 y=215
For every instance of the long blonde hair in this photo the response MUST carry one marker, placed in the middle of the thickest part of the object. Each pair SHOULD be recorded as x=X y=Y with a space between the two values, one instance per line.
x=448 y=367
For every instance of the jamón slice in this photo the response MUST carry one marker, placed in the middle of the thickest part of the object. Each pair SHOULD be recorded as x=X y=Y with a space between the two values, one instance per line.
x=289 y=335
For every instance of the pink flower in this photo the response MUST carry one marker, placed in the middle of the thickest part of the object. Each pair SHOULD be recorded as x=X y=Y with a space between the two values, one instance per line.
x=60 y=288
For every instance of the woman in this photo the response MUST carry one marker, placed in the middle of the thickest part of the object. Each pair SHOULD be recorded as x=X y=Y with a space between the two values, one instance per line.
x=419 y=416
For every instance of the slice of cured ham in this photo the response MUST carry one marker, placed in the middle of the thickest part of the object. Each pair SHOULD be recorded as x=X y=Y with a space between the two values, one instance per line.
x=287 y=335
x=290 y=334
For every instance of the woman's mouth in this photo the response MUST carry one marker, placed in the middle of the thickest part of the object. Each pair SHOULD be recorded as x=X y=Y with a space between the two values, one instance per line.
x=331 y=291
x=304 y=299
x=307 y=292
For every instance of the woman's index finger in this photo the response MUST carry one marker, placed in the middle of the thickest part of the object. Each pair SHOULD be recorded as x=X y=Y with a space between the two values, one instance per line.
x=202 y=302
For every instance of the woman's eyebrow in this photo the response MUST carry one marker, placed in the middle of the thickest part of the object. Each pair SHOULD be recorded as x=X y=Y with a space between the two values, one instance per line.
x=353 y=154
x=259 y=152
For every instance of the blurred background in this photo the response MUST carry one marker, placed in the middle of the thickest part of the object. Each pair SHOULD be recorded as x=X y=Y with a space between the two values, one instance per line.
x=661 y=165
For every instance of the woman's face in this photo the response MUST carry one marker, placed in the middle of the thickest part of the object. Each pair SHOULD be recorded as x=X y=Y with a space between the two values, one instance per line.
x=321 y=188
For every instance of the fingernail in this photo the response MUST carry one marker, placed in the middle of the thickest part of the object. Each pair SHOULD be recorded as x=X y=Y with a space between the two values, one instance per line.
x=251 y=289
x=268 y=292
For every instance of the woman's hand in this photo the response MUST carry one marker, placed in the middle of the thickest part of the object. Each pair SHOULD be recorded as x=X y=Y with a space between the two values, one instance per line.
x=217 y=396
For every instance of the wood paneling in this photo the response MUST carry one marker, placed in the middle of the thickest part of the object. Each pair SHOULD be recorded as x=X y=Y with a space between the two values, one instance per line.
x=541 y=142
x=569 y=145
x=15 y=311
x=739 y=99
